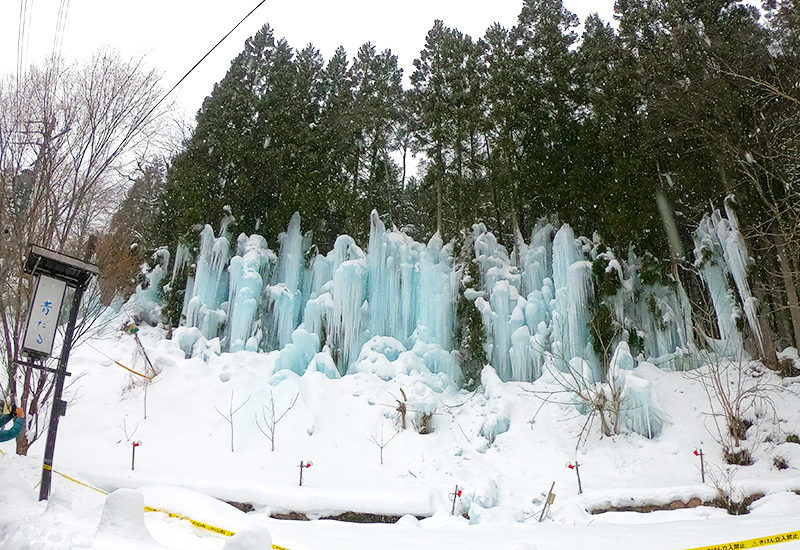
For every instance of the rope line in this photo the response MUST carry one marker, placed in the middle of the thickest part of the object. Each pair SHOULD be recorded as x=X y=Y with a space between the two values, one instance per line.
x=117 y=362
x=200 y=524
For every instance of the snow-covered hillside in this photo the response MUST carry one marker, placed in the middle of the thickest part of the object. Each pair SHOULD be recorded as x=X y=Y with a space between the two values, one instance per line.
x=503 y=445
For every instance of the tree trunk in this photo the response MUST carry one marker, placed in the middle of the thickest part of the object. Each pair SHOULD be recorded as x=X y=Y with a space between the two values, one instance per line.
x=790 y=286
x=515 y=229
x=768 y=337
x=439 y=193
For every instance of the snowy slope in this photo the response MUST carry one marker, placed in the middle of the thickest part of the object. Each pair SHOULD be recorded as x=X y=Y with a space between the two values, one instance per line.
x=502 y=445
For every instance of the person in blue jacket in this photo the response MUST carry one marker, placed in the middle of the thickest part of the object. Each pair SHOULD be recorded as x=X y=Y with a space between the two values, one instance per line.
x=19 y=422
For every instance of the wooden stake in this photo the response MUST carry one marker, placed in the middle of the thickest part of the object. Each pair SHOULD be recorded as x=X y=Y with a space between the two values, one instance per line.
x=455 y=496
x=548 y=501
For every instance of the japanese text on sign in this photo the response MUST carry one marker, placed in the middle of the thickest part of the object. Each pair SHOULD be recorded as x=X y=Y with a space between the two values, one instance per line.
x=43 y=319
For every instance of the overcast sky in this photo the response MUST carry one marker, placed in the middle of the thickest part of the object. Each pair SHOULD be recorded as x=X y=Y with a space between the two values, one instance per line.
x=174 y=34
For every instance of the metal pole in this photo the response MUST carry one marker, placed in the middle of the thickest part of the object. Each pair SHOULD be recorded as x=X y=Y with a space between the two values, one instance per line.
x=702 y=467
x=578 y=473
x=59 y=407
x=302 y=465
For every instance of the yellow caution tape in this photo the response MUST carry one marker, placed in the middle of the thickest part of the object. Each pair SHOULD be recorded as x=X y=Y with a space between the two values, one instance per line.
x=48 y=467
x=200 y=524
x=118 y=363
x=754 y=543
x=196 y=523
x=133 y=371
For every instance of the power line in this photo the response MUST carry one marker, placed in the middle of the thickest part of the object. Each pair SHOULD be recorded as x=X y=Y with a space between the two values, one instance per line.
x=23 y=6
x=150 y=112
x=61 y=21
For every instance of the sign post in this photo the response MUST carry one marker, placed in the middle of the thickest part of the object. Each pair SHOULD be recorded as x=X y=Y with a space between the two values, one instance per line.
x=54 y=272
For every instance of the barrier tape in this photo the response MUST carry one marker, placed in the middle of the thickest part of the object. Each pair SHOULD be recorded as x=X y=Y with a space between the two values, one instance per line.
x=133 y=371
x=200 y=524
x=48 y=467
x=117 y=362
x=754 y=543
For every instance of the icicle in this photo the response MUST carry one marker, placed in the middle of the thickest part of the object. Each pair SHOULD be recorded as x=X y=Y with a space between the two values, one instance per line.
x=350 y=310
x=210 y=285
x=712 y=268
x=286 y=291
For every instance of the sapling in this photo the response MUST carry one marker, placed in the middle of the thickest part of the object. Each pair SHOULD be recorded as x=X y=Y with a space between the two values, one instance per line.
x=381 y=443
x=231 y=411
x=128 y=435
x=271 y=418
x=402 y=409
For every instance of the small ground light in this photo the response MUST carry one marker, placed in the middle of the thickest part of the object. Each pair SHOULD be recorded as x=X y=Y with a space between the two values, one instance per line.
x=576 y=467
x=134 y=444
x=303 y=466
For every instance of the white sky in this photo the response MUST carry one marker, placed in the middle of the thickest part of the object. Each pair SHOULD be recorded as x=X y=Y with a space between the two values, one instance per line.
x=174 y=34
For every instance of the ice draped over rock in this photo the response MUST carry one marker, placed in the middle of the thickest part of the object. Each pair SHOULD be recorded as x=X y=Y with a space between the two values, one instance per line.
x=721 y=255
x=536 y=304
x=247 y=271
x=551 y=320
x=302 y=304
x=209 y=286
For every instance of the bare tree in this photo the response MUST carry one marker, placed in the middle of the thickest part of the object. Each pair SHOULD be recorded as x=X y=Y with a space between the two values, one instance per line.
x=602 y=398
x=736 y=388
x=66 y=133
x=271 y=418
x=231 y=411
x=128 y=433
x=381 y=443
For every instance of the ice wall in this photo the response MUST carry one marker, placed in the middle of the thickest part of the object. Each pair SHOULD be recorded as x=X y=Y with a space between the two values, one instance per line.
x=551 y=320
x=536 y=310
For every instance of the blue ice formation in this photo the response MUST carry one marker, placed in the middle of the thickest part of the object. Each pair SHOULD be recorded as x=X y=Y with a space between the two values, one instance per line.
x=537 y=308
x=720 y=253
x=391 y=309
x=147 y=298
x=337 y=302
x=641 y=411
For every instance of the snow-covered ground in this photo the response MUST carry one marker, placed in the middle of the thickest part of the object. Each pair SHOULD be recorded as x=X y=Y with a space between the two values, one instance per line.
x=503 y=446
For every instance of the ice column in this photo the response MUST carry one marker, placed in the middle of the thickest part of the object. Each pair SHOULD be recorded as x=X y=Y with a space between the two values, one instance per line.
x=572 y=276
x=712 y=268
x=247 y=271
x=210 y=285
x=737 y=260
x=350 y=311
x=285 y=294
x=393 y=277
